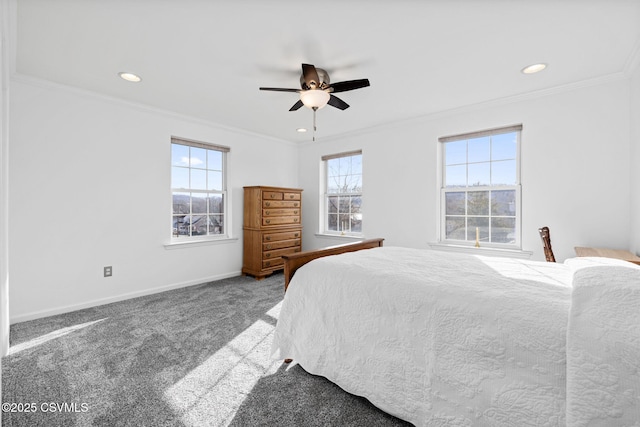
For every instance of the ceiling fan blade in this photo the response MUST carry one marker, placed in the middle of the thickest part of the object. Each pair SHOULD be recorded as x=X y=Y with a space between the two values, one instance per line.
x=310 y=75
x=334 y=101
x=280 y=89
x=296 y=106
x=349 y=85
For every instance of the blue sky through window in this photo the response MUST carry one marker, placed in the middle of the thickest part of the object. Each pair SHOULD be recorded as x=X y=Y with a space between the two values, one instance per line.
x=485 y=161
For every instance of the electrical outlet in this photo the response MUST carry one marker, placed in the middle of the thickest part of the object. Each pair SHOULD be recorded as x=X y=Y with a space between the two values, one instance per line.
x=108 y=271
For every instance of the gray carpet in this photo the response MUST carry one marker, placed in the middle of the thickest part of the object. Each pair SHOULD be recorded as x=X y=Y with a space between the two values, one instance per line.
x=197 y=356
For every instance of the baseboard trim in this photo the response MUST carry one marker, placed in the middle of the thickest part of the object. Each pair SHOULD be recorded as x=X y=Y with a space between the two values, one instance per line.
x=116 y=298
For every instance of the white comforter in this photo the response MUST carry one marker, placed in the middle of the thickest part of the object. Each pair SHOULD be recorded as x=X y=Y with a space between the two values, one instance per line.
x=603 y=344
x=438 y=339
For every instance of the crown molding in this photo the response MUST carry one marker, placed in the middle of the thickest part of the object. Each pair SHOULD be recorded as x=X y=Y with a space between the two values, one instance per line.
x=632 y=62
x=49 y=85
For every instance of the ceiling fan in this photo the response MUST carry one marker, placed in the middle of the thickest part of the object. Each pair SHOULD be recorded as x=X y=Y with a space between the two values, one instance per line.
x=317 y=90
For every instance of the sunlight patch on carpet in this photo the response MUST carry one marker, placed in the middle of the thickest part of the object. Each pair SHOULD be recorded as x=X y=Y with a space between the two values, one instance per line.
x=50 y=336
x=213 y=392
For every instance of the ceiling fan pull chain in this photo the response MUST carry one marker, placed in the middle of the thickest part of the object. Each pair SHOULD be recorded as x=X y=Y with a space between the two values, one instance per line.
x=314 y=123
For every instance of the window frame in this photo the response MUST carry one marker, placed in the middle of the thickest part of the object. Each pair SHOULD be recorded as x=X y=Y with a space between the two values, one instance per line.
x=517 y=187
x=324 y=195
x=223 y=192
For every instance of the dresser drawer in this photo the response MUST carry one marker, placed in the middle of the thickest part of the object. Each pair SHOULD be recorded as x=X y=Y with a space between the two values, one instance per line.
x=272 y=195
x=291 y=196
x=280 y=212
x=274 y=237
x=280 y=220
x=270 y=263
x=280 y=204
x=280 y=244
x=279 y=252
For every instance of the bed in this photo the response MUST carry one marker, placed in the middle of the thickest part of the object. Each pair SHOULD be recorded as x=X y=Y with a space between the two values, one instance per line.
x=447 y=339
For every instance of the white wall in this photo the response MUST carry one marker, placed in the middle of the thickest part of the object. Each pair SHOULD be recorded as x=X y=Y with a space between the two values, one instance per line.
x=90 y=187
x=635 y=160
x=89 y=174
x=575 y=170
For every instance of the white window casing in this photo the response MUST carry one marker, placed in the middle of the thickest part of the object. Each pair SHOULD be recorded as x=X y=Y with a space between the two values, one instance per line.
x=480 y=192
x=341 y=204
x=200 y=206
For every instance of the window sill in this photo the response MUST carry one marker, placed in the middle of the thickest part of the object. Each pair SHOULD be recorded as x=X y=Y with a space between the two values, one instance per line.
x=340 y=236
x=190 y=243
x=509 y=253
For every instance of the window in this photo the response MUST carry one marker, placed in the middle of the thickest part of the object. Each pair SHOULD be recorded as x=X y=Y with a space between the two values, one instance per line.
x=480 y=198
x=198 y=189
x=342 y=212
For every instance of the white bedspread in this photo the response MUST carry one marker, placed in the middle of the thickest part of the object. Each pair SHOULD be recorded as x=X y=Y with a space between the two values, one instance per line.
x=484 y=346
x=603 y=344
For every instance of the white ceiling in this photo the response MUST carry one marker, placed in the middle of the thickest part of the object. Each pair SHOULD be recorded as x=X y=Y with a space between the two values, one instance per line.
x=206 y=58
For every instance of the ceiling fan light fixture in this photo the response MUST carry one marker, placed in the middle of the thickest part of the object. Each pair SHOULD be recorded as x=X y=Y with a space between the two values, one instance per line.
x=314 y=98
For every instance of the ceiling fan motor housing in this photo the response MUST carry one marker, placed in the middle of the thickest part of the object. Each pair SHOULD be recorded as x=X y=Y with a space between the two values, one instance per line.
x=322 y=75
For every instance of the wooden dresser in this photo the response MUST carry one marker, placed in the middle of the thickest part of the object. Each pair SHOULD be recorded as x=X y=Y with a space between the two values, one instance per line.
x=272 y=227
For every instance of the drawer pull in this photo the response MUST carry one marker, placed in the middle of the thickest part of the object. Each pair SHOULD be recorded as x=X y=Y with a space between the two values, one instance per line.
x=267 y=255
x=268 y=263
x=296 y=235
x=273 y=195
x=266 y=212
x=268 y=221
x=269 y=238
x=295 y=219
x=291 y=196
x=268 y=246
x=295 y=204
x=267 y=204
x=295 y=212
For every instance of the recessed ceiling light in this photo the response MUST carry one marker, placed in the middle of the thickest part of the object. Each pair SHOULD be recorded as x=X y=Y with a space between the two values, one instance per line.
x=130 y=77
x=534 y=68
x=301 y=130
